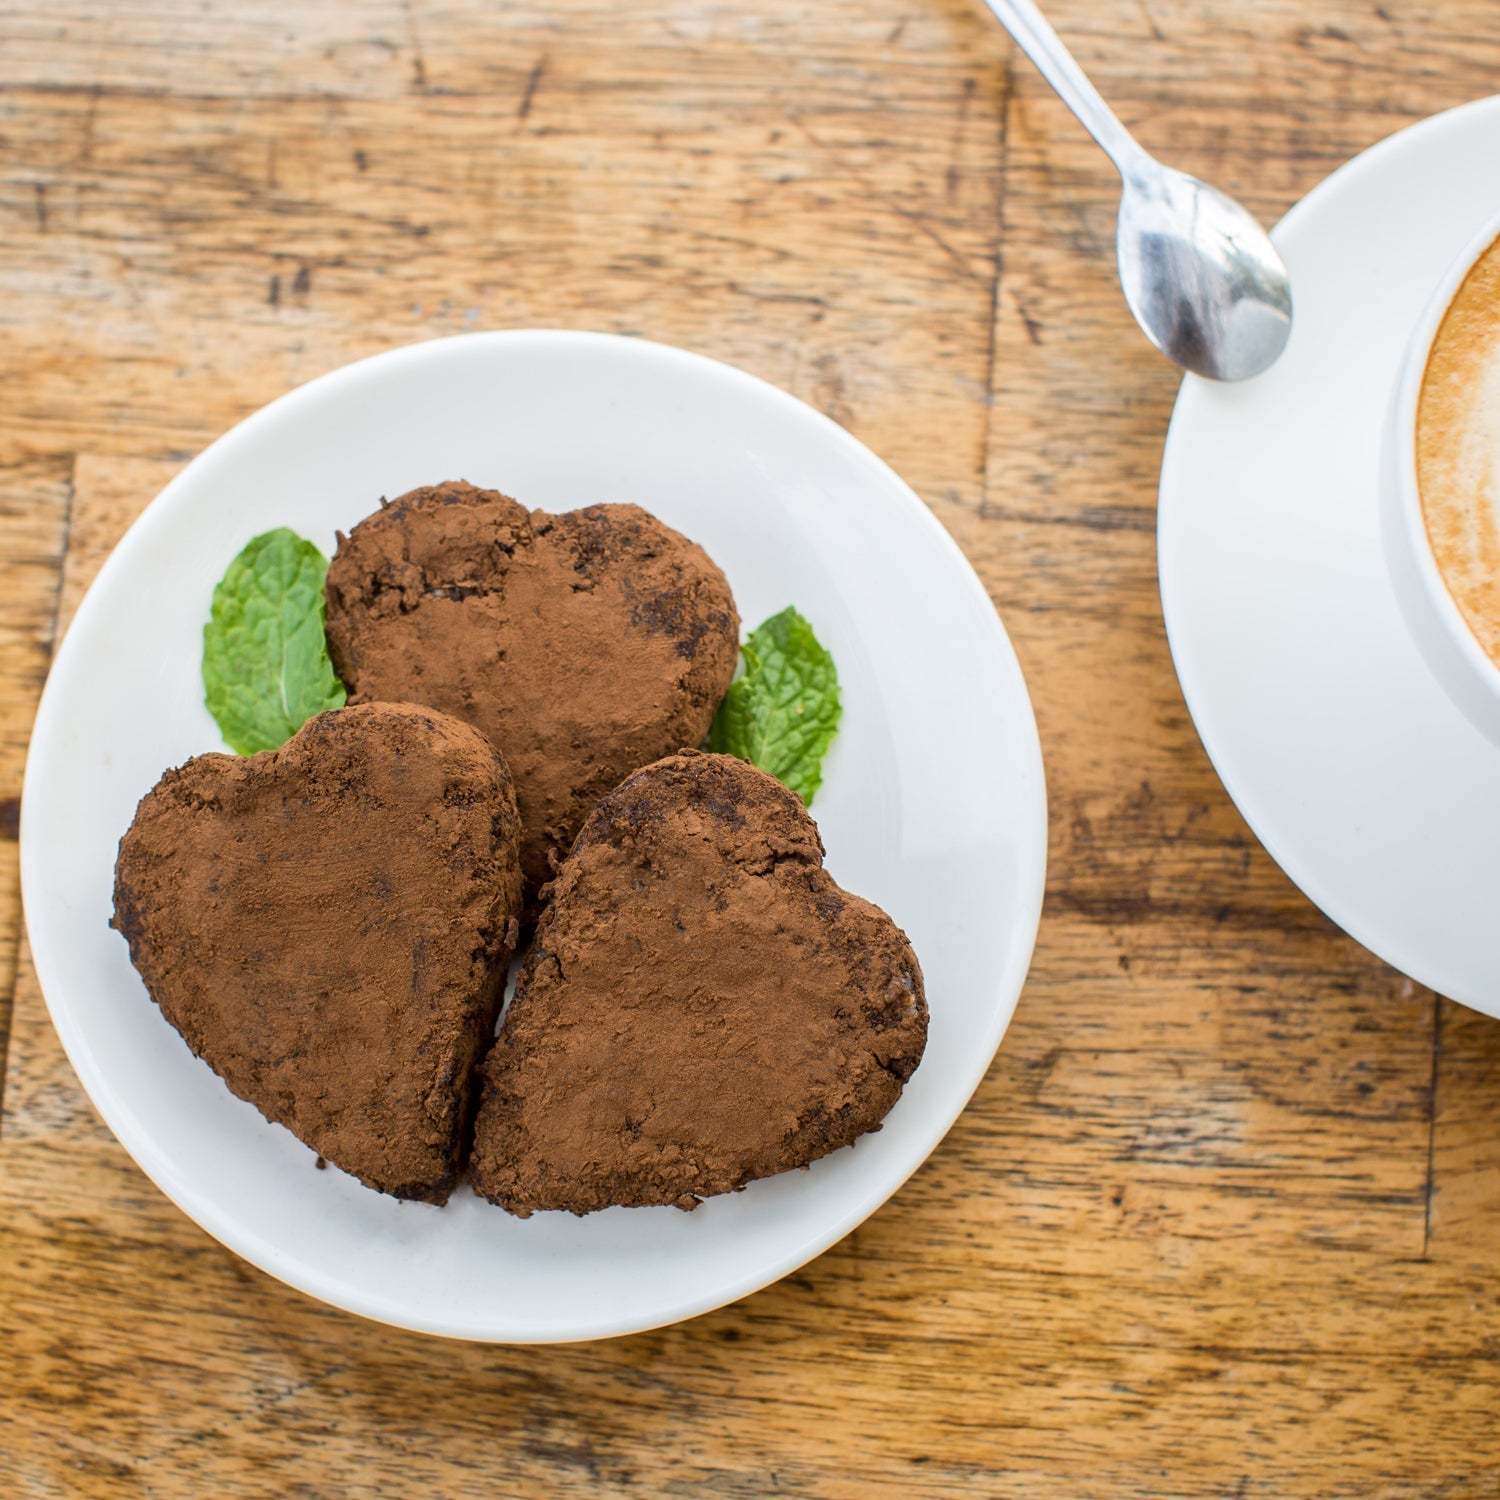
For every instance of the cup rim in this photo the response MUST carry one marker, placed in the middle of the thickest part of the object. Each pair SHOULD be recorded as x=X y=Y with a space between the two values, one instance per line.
x=1412 y=519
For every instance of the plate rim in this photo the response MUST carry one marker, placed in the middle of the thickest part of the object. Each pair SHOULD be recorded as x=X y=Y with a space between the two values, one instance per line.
x=235 y=1235
x=1372 y=160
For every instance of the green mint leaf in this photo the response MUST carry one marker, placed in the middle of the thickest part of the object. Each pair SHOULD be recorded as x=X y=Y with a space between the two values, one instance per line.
x=266 y=669
x=783 y=713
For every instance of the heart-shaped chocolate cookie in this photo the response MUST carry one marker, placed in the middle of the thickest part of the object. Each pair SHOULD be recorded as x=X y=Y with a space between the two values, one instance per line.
x=328 y=926
x=583 y=644
x=702 y=1004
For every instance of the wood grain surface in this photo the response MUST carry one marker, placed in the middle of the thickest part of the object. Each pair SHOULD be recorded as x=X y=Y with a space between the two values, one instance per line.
x=1223 y=1219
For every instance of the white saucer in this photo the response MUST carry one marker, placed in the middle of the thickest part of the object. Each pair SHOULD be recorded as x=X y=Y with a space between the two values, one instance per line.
x=1362 y=779
x=932 y=803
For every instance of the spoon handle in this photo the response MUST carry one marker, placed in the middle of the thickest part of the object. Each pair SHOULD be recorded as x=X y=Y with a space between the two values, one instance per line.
x=1036 y=38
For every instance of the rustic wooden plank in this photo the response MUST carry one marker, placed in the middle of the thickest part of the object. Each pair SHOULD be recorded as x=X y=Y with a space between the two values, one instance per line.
x=41 y=1096
x=34 y=500
x=108 y=494
x=1129 y=1377
x=1465 y=1203
x=34 y=504
x=827 y=219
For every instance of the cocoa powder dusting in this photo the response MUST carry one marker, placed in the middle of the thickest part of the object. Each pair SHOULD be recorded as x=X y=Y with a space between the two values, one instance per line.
x=583 y=645
x=702 y=1004
x=328 y=925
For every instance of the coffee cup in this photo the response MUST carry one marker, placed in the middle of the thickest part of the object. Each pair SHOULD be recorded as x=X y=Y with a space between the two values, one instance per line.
x=1440 y=482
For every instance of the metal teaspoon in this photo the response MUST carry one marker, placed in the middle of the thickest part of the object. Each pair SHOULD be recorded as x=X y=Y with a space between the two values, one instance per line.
x=1200 y=274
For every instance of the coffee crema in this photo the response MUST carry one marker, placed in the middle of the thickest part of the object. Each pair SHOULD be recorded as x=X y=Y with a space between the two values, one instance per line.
x=1458 y=449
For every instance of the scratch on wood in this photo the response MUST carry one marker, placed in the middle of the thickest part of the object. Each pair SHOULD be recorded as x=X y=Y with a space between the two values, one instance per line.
x=1033 y=324
x=912 y=217
x=90 y=117
x=774 y=252
x=920 y=223
x=951 y=176
x=1432 y=1089
x=67 y=536
x=418 y=62
x=533 y=79
x=1007 y=91
x=39 y=189
x=830 y=392
x=10 y=811
x=759 y=294
x=1156 y=32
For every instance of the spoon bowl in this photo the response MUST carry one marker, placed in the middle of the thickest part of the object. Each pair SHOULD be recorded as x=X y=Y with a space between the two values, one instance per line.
x=1200 y=275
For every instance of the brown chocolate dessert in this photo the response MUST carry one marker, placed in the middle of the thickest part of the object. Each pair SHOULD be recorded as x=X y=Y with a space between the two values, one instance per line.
x=702 y=1004
x=328 y=926
x=583 y=644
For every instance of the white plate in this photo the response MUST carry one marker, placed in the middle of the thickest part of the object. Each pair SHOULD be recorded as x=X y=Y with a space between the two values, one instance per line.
x=933 y=803
x=1366 y=784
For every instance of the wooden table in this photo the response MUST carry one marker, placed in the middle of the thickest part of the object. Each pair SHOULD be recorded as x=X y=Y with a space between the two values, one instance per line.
x=1224 y=1218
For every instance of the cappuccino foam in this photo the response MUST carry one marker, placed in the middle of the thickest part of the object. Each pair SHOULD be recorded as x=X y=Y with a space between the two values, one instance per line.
x=1458 y=449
